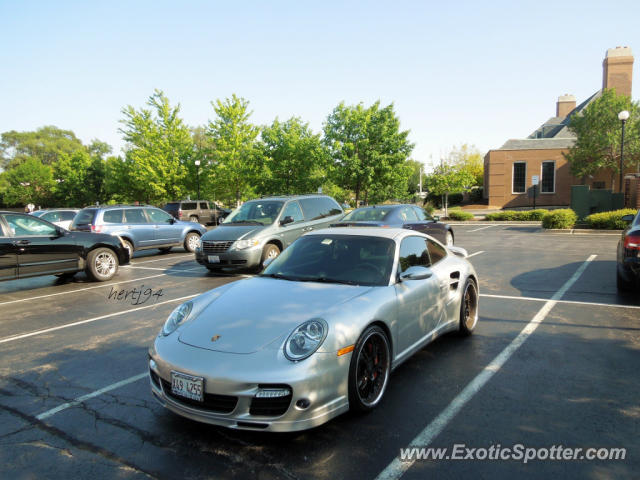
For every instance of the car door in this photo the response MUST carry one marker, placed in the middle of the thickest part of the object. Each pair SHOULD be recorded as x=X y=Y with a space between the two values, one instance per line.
x=138 y=226
x=290 y=231
x=427 y=225
x=40 y=248
x=165 y=231
x=8 y=254
x=419 y=301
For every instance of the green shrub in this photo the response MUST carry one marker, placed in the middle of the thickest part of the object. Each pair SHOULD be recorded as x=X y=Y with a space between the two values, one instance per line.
x=460 y=215
x=517 y=215
x=609 y=220
x=560 y=219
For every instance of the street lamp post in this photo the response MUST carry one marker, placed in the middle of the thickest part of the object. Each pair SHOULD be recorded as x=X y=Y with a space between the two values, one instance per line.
x=622 y=116
x=197 y=162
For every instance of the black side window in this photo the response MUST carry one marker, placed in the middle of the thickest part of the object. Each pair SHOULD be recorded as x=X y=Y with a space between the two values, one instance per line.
x=112 y=216
x=312 y=208
x=413 y=251
x=436 y=251
x=204 y=206
x=189 y=206
x=135 y=215
x=420 y=213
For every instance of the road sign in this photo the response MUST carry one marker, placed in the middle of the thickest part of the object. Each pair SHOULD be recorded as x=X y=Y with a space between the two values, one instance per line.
x=535 y=180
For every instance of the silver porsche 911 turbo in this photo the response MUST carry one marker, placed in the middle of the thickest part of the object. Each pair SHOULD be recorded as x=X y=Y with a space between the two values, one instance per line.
x=316 y=333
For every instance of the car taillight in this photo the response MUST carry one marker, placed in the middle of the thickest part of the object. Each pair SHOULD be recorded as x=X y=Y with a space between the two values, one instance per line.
x=96 y=228
x=632 y=241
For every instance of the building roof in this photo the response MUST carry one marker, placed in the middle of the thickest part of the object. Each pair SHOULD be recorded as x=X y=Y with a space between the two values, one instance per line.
x=554 y=133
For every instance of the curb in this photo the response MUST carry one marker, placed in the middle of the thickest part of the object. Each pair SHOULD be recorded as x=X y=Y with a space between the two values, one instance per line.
x=585 y=231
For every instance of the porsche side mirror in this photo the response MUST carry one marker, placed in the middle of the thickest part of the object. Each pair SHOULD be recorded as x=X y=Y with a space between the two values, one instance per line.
x=416 y=273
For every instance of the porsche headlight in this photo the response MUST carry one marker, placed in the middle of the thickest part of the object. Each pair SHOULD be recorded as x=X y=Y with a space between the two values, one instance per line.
x=305 y=339
x=242 y=244
x=180 y=314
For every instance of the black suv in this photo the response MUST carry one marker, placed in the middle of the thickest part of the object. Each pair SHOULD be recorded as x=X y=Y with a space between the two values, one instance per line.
x=30 y=247
x=200 y=211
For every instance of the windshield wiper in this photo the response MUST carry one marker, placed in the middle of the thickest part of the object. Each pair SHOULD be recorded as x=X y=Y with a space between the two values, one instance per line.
x=278 y=276
x=247 y=222
x=329 y=280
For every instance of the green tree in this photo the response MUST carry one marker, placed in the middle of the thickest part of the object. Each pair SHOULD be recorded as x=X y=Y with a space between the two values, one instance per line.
x=449 y=178
x=46 y=144
x=117 y=186
x=469 y=158
x=79 y=179
x=295 y=158
x=368 y=150
x=29 y=181
x=159 y=150
x=598 y=133
x=235 y=159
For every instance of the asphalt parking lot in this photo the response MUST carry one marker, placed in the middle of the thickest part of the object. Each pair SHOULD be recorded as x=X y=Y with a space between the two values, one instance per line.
x=554 y=361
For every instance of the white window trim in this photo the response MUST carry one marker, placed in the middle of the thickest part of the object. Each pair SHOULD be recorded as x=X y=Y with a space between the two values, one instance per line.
x=513 y=168
x=554 y=177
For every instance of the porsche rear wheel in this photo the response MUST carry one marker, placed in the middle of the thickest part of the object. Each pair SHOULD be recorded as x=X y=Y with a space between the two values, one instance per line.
x=469 y=308
x=369 y=369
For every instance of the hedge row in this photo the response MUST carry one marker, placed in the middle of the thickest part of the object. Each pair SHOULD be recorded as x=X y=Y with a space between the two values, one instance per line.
x=609 y=220
x=460 y=215
x=517 y=215
x=560 y=219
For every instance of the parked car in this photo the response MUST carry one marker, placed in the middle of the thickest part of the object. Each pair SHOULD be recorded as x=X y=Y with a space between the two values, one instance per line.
x=262 y=228
x=400 y=216
x=200 y=211
x=628 y=255
x=140 y=227
x=317 y=333
x=31 y=246
x=58 y=216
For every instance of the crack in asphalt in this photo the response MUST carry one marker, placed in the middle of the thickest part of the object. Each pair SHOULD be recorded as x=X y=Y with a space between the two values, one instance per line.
x=77 y=443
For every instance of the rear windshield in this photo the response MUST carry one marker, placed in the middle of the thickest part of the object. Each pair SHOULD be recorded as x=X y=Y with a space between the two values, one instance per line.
x=85 y=217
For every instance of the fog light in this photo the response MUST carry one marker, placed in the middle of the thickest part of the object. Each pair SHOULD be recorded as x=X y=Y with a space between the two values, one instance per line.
x=303 y=403
x=273 y=393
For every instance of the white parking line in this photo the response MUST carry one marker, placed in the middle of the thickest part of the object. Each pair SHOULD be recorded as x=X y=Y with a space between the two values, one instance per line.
x=102 y=285
x=574 y=302
x=476 y=253
x=13 y=338
x=84 y=398
x=398 y=467
x=481 y=228
x=167 y=268
x=166 y=258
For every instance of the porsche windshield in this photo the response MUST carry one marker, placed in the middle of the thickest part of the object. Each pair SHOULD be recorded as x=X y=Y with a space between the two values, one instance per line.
x=256 y=212
x=347 y=259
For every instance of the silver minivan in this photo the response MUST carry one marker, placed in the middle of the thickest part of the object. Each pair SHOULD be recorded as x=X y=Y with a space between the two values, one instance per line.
x=262 y=228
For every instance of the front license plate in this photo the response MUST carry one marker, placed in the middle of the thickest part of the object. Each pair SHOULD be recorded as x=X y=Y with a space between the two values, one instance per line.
x=214 y=259
x=187 y=386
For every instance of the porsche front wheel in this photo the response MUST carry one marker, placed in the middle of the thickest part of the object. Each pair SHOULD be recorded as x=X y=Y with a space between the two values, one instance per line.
x=369 y=369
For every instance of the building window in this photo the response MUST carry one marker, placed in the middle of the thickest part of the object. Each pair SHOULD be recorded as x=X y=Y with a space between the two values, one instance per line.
x=548 y=183
x=519 y=177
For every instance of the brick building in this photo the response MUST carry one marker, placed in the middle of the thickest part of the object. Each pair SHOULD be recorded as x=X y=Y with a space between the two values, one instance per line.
x=508 y=170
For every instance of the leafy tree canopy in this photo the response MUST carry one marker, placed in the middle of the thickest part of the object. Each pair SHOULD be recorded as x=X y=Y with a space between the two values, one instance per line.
x=29 y=182
x=598 y=132
x=368 y=150
x=46 y=144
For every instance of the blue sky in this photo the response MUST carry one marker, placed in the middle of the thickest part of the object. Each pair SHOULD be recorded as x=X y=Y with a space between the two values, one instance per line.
x=457 y=72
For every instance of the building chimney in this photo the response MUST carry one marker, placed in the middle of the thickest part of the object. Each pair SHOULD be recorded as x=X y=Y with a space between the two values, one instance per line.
x=617 y=68
x=566 y=104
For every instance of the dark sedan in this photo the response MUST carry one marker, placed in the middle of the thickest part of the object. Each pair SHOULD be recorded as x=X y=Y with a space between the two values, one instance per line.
x=398 y=216
x=628 y=257
x=30 y=247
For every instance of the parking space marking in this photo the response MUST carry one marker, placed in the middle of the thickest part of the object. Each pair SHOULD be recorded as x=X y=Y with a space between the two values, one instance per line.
x=166 y=258
x=481 y=228
x=574 y=302
x=97 y=393
x=103 y=285
x=13 y=338
x=476 y=253
x=166 y=268
x=398 y=467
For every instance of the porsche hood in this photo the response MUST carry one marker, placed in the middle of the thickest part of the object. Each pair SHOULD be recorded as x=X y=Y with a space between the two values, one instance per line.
x=254 y=313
